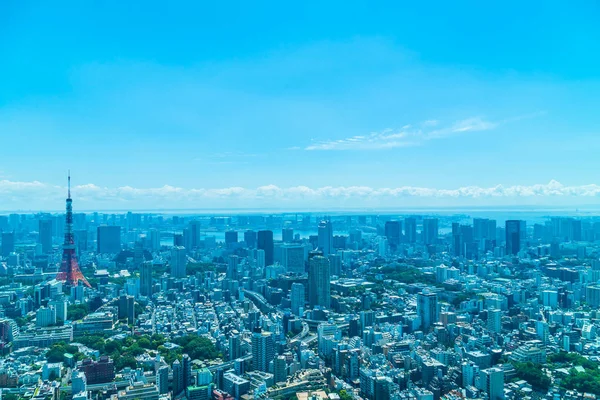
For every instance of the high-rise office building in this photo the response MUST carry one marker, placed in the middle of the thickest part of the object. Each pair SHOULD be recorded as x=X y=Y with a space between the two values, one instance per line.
x=154 y=239
x=162 y=380
x=232 y=267
x=494 y=322
x=410 y=229
x=250 y=239
x=45 y=235
x=513 y=237
x=430 y=231
x=45 y=316
x=186 y=366
x=279 y=369
x=8 y=243
x=325 y=231
x=319 y=277
x=292 y=257
x=263 y=349
x=231 y=238
x=194 y=232
x=235 y=343
x=297 y=298
x=427 y=309
x=265 y=242
x=178 y=383
x=146 y=278
x=127 y=308
x=287 y=235
x=178 y=262
x=393 y=233
x=109 y=239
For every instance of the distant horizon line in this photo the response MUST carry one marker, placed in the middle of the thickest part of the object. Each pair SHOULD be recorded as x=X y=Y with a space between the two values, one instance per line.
x=353 y=210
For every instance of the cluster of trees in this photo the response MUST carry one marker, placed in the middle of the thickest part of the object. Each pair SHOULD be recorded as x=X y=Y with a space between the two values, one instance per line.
x=197 y=347
x=76 y=312
x=344 y=395
x=58 y=350
x=193 y=268
x=585 y=381
x=534 y=375
x=406 y=274
x=123 y=352
x=572 y=358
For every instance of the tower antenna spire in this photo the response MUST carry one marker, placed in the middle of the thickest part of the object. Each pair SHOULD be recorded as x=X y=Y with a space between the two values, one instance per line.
x=69 y=184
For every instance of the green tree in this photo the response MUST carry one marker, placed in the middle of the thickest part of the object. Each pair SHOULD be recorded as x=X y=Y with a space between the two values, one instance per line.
x=533 y=374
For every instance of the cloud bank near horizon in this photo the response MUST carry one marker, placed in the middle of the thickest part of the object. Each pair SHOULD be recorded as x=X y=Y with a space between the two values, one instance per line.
x=37 y=195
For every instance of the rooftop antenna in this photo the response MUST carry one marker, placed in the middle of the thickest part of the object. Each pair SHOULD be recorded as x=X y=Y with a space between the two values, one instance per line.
x=69 y=183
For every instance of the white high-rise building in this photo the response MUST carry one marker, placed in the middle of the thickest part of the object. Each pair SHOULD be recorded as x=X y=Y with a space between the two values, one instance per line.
x=45 y=316
x=494 y=321
x=60 y=307
x=325 y=240
x=297 y=298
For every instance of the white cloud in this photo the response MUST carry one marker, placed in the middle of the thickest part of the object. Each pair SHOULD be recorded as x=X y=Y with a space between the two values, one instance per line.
x=38 y=195
x=406 y=136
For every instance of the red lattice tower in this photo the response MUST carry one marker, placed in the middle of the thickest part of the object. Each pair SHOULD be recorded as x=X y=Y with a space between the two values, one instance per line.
x=69 y=268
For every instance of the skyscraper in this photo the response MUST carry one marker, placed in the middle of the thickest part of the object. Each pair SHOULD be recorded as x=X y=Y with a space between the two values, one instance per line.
x=162 y=380
x=325 y=231
x=232 y=267
x=410 y=229
x=494 y=321
x=297 y=297
x=178 y=385
x=319 y=277
x=109 y=239
x=45 y=235
x=263 y=349
x=146 y=278
x=186 y=366
x=127 y=308
x=393 y=233
x=292 y=258
x=430 y=231
x=231 y=238
x=250 y=239
x=194 y=230
x=279 y=369
x=513 y=237
x=154 y=239
x=427 y=309
x=265 y=242
x=178 y=262
x=8 y=243
x=287 y=235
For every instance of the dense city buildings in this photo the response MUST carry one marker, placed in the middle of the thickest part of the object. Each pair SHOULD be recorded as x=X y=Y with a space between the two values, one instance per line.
x=274 y=306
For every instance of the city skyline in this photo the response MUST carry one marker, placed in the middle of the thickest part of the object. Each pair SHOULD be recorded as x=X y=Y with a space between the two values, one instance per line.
x=349 y=97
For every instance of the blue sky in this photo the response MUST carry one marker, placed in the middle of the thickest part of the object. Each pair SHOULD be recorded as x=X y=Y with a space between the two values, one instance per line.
x=314 y=104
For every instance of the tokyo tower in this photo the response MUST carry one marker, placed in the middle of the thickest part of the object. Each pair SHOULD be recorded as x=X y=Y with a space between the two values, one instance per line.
x=69 y=269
